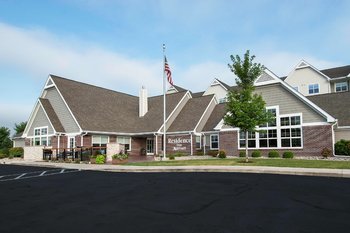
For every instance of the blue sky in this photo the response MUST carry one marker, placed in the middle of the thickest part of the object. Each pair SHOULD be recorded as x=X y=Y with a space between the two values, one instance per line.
x=118 y=44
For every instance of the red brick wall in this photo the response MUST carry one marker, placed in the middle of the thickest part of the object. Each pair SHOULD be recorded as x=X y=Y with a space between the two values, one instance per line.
x=136 y=145
x=228 y=142
x=87 y=140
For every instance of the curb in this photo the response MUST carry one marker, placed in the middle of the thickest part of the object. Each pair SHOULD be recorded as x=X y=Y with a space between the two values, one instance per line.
x=322 y=172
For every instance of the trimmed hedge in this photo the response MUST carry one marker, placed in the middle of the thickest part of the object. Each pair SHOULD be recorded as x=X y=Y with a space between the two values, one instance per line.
x=172 y=157
x=256 y=154
x=326 y=152
x=242 y=154
x=222 y=154
x=342 y=147
x=274 y=154
x=288 y=155
x=16 y=151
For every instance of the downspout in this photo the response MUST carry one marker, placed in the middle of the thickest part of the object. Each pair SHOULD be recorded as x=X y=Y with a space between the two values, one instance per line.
x=82 y=138
x=191 y=143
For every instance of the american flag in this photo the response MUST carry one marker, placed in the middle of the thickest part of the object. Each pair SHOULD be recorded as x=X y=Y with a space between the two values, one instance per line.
x=167 y=71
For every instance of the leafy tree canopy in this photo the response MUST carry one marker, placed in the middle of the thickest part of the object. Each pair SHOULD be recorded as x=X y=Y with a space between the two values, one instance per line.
x=19 y=128
x=5 y=141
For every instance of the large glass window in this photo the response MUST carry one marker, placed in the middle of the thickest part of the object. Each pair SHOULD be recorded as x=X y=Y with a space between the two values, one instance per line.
x=126 y=141
x=214 y=142
x=314 y=89
x=342 y=86
x=41 y=137
x=251 y=139
x=284 y=132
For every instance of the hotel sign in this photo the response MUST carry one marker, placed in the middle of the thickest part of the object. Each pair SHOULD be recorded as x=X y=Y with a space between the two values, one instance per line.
x=179 y=143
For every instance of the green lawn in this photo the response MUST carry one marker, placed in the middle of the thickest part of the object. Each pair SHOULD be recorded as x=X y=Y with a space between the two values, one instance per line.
x=253 y=162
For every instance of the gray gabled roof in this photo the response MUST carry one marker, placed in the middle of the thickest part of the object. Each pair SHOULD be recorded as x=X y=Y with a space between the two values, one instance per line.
x=191 y=113
x=336 y=104
x=179 y=89
x=224 y=84
x=55 y=121
x=216 y=116
x=337 y=72
x=102 y=110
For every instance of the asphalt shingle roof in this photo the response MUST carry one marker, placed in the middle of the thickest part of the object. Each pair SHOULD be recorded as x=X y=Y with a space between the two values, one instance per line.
x=336 y=104
x=337 y=72
x=100 y=109
x=56 y=123
x=215 y=117
x=191 y=113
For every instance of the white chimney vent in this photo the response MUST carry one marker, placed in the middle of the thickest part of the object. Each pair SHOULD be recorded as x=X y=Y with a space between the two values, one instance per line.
x=143 y=102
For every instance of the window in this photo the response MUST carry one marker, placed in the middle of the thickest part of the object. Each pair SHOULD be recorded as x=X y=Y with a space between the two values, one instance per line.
x=99 y=140
x=41 y=137
x=198 y=142
x=291 y=131
x=284 y=132
x=314 y=89
x=251 y=139
x=222 y=100
x=214 y=141
x=343 y=86
x=126 y=141
x=71 y=142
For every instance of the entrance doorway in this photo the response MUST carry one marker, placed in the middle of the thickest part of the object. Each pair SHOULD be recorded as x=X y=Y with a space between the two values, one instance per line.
x=150 y=146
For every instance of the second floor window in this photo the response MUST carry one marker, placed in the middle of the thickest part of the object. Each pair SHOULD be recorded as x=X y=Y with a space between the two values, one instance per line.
x=342 y=86
x=314 y=89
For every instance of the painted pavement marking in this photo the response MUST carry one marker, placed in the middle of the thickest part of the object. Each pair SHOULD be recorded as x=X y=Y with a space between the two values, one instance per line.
x=26 y=175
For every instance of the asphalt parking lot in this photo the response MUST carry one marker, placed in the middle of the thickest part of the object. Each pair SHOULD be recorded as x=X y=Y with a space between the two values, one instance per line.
x=52 y=200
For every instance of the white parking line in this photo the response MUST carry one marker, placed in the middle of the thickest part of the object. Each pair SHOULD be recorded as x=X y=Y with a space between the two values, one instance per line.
x=20 y=176
x=42 y=173
x=36 y=174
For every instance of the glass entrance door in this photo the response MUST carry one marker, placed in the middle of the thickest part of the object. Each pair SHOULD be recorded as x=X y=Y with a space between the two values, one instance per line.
x=150 y=146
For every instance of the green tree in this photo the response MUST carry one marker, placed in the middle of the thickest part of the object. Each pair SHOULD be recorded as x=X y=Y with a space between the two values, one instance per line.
x=245 y=109
x=5 y=141
x=19 y=128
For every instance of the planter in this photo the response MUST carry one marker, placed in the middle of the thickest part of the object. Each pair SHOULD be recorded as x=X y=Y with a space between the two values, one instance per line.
x=118 y=161
x=93 y=160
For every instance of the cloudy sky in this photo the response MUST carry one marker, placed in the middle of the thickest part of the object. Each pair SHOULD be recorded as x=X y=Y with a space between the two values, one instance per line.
x=117 y=44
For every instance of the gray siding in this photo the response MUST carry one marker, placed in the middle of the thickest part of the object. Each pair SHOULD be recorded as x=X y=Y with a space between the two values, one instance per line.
x=264 y=77
x=288 y=103
x=40 y=120
x=61 y=110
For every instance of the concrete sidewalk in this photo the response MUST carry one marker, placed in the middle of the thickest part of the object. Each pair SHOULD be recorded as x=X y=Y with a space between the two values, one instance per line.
x=344 y=173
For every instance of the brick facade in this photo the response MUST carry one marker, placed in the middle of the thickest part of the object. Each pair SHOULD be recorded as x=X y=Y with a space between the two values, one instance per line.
x=228 y=142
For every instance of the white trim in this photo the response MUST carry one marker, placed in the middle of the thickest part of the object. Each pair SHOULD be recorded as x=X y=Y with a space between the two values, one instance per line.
x=69 y=110
x=205 y=111
x=305 y=100
x=343 y=127
x=124 y=138
x=68 y=142
x=31 y=118
x=217 y=82
x=200 y=141
x=188 y=94
x=47 y=116
x=297 y=67
x=191 y=137
x=315 y=124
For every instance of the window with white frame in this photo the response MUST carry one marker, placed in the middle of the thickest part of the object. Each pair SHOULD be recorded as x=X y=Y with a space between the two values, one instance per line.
x=71 y=142
x=314 y=88
x=251 y=139
x=198 y=142
x=214 y=141
x=99 y=140
x=284 y=132
x=126 y=141
x=341 y=86
x=291 y=131
x=41 y=137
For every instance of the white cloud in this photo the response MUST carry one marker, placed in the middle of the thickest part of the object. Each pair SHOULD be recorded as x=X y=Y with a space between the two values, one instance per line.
x=41 y=53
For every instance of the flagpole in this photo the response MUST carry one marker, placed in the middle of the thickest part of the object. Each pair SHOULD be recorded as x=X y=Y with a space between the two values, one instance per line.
x=164 y=105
